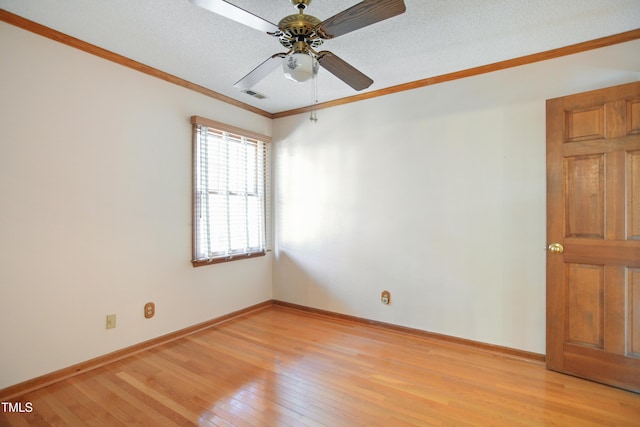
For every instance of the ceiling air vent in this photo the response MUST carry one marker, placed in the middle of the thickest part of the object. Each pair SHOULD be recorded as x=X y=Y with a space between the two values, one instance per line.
x=254 y=94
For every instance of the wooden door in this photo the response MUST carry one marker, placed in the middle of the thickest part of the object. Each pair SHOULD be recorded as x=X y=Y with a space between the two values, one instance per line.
x=593 y=213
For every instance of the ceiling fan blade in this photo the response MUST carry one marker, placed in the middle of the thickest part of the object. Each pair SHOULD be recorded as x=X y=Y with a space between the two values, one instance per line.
x=237 y=14
x=260 y=72
x=358 y=16
x=342 y=70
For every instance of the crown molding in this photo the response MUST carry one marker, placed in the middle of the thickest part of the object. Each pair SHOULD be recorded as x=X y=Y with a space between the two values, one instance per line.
x=52 y=34
x=55 y=35
x=475 y=71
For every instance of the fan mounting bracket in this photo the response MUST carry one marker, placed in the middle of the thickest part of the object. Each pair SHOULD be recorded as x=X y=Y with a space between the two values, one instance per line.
x=301 y=4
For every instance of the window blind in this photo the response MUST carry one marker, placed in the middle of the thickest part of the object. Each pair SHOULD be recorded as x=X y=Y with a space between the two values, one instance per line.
x=231 y=195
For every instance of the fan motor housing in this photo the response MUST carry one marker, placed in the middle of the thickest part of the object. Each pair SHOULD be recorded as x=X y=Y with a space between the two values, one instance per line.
x=299 y=27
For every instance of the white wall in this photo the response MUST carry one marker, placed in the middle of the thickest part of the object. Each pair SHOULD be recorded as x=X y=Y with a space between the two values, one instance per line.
x=95 y=209
x=437 y=195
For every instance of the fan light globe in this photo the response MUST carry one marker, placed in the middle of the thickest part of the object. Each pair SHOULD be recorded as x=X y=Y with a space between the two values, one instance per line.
x=298 y=67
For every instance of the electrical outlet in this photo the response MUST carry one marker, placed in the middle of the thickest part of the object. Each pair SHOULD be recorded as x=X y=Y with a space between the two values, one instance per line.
x=111 y=321
x=385 y=297
x=149 y=310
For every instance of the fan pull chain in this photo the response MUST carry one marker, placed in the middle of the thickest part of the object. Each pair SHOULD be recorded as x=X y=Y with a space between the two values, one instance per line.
x=314 y=96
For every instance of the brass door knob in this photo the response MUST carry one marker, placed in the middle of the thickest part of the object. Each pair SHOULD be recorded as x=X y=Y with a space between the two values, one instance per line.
x=556 y=248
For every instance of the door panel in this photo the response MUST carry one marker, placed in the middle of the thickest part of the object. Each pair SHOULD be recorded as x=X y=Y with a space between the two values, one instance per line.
x=633 y=162
x=584 y=190
x=634 y=311
x=584 y=289
x=593 y=211
x=584 y=124
x=633 y=117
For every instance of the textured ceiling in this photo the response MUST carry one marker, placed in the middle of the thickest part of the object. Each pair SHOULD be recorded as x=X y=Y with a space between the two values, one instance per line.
x=432 y=38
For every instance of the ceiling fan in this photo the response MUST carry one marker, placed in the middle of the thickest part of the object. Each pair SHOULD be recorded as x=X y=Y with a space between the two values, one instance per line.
x=301 y=34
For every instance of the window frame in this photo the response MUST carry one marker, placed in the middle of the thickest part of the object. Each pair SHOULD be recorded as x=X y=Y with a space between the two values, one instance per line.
x=239 y=133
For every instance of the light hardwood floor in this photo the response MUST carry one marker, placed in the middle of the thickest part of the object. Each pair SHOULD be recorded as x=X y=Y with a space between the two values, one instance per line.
x=285 y=367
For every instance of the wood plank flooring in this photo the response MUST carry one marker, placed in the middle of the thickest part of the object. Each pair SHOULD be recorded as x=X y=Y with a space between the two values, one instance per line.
x=285 y=367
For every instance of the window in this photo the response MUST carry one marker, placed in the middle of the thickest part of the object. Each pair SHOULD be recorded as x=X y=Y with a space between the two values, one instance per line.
x=230 y=192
